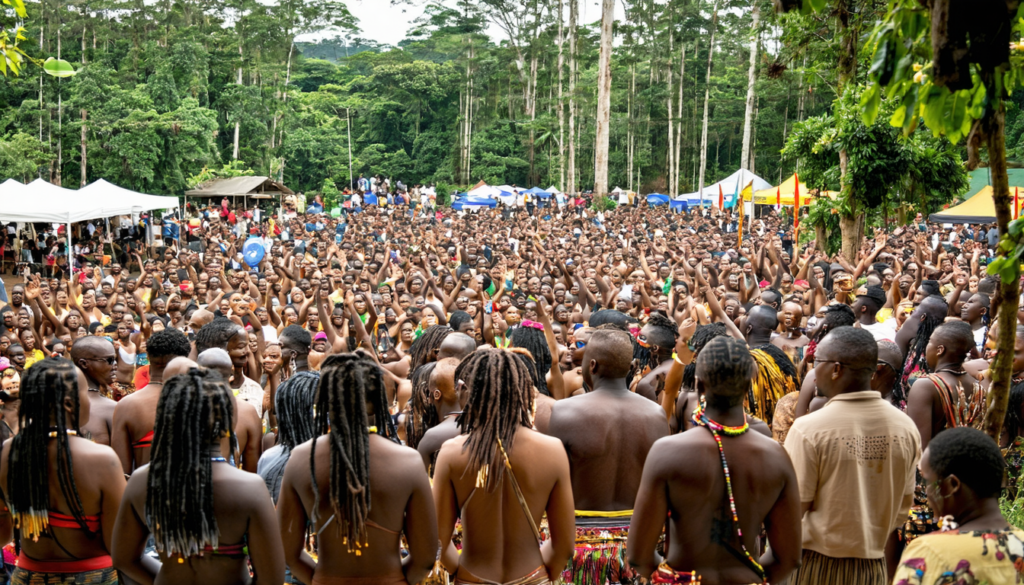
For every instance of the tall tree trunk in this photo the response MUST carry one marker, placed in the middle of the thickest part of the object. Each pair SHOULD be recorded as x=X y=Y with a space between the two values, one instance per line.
x=748 y=115
x=707 y=96
x=561 y=103
x=1007 y=294
x=679 y=122
x=670 y=155
x=573 y=12
x=604 y=95
x=85 y=131
x=238 y=123
x=852 y=224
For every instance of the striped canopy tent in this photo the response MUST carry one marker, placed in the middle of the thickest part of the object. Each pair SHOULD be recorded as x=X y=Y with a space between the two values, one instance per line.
x=770 y=196
x=978 y=209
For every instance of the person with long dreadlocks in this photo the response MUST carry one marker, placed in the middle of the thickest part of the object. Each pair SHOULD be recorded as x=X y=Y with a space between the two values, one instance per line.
x=714 y=517
x=607 y=434
x=423 y=351
x=295 y=399
x=60 y=490
x=655 y=344
x=356 y=488
x=209 y=520
x=501 y=476
x=135 y=414
x=421 y=416
x=913 y=341
x=947 y=398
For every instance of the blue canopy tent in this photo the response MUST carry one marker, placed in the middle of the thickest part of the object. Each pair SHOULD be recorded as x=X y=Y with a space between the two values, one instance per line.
x=538 y=192
x=678 y=205
x=657 y=199
x=464 y=203
x=369 y=198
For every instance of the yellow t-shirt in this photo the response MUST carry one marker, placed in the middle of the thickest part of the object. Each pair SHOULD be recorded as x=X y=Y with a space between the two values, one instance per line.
x=31 y=357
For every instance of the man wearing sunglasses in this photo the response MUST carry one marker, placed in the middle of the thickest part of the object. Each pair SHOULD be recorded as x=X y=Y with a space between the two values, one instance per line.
x=95 y=357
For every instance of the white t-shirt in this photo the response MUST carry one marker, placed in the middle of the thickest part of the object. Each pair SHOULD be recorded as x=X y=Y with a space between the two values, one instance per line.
x=979 y=338
x=880 y=331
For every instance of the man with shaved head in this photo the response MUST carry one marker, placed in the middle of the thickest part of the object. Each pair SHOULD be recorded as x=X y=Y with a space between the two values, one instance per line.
x=449 y=396
x=607 y=433
x=456 y=345
x=95 y=357
x=248 y=427
x=712 y=526
x=776 y=374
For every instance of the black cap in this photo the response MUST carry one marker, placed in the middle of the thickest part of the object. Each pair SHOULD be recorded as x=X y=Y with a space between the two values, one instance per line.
x=875 y=293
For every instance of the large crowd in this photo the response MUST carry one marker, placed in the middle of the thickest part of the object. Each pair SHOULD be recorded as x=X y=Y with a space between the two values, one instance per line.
x=399 y=393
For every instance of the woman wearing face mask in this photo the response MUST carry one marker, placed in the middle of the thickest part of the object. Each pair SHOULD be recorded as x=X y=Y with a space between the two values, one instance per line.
x=964 y=471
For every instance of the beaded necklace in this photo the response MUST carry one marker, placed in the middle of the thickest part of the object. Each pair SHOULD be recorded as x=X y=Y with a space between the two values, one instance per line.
x=701 y=418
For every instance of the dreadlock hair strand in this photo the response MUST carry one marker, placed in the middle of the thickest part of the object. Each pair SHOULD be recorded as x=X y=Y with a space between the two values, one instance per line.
x=500 y=401
x=534 y=341
x=422 y=414
x=347 y=382
x=293 y=403
x=423 y=349
x=43 y=390
x=195 y=411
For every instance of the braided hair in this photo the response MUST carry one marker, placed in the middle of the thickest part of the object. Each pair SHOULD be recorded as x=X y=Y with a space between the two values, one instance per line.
x=664 y=335
x=422 y=414
x=915 y=360
x=294 y=406
x=216 y=333
x=195 y=411
x=43 y=390
x=701 y=337
x=500 y=401
x=422 y=350
x=347 y=382
x=533 y=341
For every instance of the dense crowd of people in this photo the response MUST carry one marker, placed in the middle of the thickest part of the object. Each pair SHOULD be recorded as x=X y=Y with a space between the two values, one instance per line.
x=524 y=395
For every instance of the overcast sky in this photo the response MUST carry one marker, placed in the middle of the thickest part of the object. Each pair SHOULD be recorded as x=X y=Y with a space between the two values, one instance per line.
x=387 y=21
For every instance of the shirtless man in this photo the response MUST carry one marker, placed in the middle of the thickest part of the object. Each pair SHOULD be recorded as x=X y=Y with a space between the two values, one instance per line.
x=792 y=340
x=135 y=415
x=704 y=542
x=127 y=356
x=573 y=376
x=95 y=357
x=248 y=428
x=607 y=434
x=449 y=397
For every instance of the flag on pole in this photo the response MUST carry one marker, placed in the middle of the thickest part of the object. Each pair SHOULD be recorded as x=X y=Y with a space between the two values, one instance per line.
x=1016 y=206
x=778 y=198
x=748 y=192
x=796 y=202
x=721 y=198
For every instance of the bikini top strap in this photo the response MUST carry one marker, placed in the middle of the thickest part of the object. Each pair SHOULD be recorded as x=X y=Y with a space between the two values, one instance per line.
x=519 y=492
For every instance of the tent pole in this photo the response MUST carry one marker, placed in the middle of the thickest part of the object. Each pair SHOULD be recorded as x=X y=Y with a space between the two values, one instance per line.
x=71 y=253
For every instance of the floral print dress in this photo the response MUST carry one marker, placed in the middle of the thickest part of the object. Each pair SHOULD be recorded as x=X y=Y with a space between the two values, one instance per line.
x=963 y=558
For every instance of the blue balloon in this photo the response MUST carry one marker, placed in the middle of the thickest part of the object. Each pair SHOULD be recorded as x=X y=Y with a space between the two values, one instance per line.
x=253 y=252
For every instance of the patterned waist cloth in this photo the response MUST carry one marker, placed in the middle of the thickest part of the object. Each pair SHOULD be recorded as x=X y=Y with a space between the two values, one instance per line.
x=538 y=577
x=95 y=571
x=600 y=553
x=666 y=574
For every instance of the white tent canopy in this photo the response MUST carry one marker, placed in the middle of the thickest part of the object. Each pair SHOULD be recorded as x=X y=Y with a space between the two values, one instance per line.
x=553 y=190
x=40 y=201
x=729 y=187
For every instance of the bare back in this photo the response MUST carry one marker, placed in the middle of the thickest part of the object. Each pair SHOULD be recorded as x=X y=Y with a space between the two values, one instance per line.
x=101 y=419
x=684 y=479
x=498 y=541
x=134 y=418
x=607 y=435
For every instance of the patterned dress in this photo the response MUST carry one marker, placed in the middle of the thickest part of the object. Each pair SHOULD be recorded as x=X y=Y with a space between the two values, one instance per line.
x=963 y=558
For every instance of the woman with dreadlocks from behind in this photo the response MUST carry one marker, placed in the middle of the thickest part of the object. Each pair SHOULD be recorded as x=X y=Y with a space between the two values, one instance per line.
x=60 y=490
x=502 y=476
x=913 y=341
x=356 y=488
x=423 y=351
x=421 y=415
x=209 y=520
x=294 y=406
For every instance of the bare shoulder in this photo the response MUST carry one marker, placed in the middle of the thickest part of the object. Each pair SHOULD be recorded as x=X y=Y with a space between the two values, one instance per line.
x=95 y=453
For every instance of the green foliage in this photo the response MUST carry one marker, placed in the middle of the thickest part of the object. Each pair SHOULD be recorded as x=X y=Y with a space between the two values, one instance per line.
x=235 y=168
x=603 y=203
x=824 y=212
x=11 y=34
x=331 y=195
x=21 y=155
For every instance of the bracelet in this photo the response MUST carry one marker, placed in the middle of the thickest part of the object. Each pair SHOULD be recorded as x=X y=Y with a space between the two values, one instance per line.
x=675 y=358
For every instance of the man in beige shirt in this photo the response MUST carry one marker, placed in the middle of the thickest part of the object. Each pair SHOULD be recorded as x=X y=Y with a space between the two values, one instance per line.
x=855 y=462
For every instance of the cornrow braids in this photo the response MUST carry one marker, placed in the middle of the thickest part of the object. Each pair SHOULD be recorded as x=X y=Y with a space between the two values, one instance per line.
x=294 y=402
x=43 y=390
x=533 y=341
x=347 y=382
x=422 y=414
x=195 y=411
x=421 y=351
x=500 y=401
x=915 y=360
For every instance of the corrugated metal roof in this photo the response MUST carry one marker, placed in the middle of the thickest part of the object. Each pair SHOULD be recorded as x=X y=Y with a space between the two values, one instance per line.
x=238 y=186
